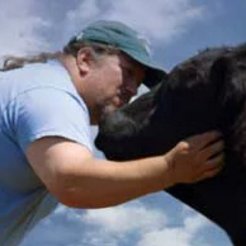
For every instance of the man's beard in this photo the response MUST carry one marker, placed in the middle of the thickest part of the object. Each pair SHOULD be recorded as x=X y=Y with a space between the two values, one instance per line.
x=100 y=111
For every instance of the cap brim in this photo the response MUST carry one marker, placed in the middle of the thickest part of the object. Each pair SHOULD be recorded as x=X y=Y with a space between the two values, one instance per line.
x=154 y=77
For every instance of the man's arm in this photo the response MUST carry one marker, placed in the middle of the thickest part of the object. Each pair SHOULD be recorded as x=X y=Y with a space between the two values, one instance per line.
x=77 y=179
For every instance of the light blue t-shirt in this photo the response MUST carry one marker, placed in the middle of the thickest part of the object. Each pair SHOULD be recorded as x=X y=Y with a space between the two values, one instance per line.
x=35 y=101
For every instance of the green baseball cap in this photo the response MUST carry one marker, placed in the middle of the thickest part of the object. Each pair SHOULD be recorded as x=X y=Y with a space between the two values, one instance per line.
x=124 y=38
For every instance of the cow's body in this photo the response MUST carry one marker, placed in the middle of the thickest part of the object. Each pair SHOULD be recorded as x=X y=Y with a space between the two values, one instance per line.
x=205 y=92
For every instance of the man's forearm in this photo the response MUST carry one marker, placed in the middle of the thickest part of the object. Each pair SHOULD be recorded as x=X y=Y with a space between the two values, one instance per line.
x=101 y=183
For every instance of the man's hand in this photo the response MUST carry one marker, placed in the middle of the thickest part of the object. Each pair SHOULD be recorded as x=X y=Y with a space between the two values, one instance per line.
x=196 y=158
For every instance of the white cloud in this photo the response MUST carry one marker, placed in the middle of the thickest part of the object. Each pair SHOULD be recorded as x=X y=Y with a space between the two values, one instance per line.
x=112 y=226
x=87 y=10
x=21 y=22
x=185 y=235
x=115 y=226
x=19 y=26
x=125 y=218
x=160 y=20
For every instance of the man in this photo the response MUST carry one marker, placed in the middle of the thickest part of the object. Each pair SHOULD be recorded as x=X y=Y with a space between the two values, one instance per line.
x=45 y=143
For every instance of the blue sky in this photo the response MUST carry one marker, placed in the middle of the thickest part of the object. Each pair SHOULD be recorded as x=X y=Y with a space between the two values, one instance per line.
x=176 y=30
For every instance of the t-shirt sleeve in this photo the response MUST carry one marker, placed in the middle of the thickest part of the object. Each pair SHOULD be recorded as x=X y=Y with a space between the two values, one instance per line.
x=44 y=112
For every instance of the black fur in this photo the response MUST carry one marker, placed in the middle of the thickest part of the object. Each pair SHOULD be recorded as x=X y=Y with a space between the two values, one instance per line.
x=208 y=91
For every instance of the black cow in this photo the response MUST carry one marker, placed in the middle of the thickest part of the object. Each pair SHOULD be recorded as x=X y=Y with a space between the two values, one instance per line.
x=208 y=91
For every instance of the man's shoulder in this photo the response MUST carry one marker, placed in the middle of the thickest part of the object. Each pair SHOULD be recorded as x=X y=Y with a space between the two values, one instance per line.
x=49 y=71
x=40 y=75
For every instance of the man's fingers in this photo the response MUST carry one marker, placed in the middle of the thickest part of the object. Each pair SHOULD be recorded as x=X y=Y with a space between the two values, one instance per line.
x=211 y=173
x=212 y=150
x=214 y=163
x=202 y=140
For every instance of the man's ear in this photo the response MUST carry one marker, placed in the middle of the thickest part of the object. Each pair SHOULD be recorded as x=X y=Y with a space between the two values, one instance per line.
x=84 y=59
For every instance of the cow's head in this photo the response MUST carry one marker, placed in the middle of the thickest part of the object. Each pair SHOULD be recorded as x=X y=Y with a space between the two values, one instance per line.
x=205 y=92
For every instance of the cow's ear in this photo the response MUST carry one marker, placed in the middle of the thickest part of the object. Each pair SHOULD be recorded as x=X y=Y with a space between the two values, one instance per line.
x=221 y=77
x=220 y=72
x=229 y=88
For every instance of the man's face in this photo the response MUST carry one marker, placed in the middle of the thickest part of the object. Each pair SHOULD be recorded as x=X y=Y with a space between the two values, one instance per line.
x=112 y=81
